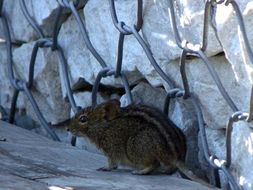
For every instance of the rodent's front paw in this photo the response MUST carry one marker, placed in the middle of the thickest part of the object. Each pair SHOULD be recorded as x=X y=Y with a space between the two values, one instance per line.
x=144 y=171
x=106 y=169
x=139 y=172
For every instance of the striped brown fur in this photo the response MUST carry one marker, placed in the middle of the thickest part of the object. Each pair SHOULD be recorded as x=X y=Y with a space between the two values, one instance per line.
x=137 y=135
x=168 y=130
x=113 y=130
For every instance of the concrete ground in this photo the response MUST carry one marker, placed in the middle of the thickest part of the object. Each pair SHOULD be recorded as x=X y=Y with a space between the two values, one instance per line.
x=32 y=162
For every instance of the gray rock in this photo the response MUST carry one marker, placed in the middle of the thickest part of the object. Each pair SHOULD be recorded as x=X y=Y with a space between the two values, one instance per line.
x=189 y=16
x=84 y=99
x=80 y=61
x=76 y=53
x=235 y=71
x=146 y=94
x=234 y=48
x=241 y=152
x=47 y=88
x=182 y=114
x=42 y=12
x=105 y=36
x=215 y=109
x=216 y=144
x=242 y=140
x=32 y=161
x=6 y=91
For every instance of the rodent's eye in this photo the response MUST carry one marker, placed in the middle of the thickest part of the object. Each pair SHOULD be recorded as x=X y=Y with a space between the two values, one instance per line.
x=83 y=119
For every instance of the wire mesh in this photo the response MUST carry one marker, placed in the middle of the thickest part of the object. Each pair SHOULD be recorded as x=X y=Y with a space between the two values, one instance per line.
x=123 y=29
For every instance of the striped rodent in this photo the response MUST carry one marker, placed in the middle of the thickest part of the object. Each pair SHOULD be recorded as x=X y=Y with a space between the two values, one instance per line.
x=137 y=135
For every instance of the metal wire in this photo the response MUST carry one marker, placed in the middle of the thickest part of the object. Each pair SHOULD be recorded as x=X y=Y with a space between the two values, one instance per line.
x=29 y=19
x=123 y=29
x=151 y=58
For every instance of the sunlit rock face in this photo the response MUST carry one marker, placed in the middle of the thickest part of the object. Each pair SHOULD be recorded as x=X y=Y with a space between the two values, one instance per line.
x=233 y=43
x=226 y=52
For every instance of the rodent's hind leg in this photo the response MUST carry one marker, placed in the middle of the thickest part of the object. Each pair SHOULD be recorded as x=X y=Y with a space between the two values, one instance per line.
x=169 y=169
x=112 y=165
x=146 y=170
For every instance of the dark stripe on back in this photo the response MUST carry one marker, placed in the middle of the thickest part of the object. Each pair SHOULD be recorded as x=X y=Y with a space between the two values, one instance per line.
x=174 y=136
x=142 y=128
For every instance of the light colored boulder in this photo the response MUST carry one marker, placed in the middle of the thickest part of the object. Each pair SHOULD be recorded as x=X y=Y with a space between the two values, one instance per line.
x=146 y=94
x=5 y=85
x=81 y=62
x=216 y=143
x=242 y=141
x=233 y=44
x=242 y=151
x=43 y=12
x=83 y=99
x=189 y=17
x=47 y=88
x=237 y=79
x=104 y=36
x=215 y=109
x=235 y=72
x=6 y=95
x=75 y=52
x=6 y=92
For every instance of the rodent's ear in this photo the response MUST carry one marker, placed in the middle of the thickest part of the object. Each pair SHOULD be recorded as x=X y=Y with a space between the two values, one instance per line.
x=111 y=109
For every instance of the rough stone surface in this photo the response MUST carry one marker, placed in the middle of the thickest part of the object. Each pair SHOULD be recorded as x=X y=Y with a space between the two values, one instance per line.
x=84 y=99
x=146 y=94
x=241 y=151
x=80 y=61
x=241 y=145
x=216 y=143
x=34 y=162
x=5 y=84
x=158 y=31
x=215 y=109
x=242 y=140
x=227 y=28
x=234 y=69
x=47 y=87
x=76 y=53
x=106 y=43
x=43 y=12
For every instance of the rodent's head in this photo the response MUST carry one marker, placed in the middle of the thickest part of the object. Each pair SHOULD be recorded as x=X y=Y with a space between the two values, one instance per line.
x=94 y=116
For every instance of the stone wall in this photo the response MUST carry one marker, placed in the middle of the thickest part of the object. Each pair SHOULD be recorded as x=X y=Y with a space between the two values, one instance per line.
x=226 y=53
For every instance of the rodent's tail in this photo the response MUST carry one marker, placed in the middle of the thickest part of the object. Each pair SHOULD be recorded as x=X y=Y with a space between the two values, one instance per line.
x=187 y=172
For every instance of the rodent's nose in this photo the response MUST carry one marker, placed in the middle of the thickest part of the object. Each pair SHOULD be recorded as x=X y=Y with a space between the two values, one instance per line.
x=67 y=129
